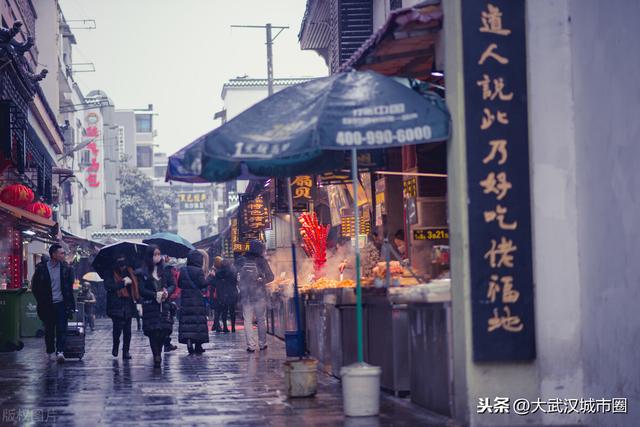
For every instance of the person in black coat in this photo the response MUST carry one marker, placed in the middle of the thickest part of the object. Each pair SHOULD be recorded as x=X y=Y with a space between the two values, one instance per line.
x=193 y=330
x=156 y=284
x=122 y=293
x=225 y=283
x=52 y=287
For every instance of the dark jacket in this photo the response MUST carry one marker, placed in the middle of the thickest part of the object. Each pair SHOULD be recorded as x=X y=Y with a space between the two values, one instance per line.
x=193 y=312
x=41 y=288
x=225 y=282
x=253 y=289
x=155 y=316
x=117 y=307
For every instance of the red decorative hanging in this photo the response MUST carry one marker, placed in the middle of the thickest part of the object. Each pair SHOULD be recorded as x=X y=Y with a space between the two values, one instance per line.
x=314 y=238
x=17 y=195
x=40 y=209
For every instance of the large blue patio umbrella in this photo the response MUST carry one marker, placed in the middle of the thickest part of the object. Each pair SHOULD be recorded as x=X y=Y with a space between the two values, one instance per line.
x=310 y=128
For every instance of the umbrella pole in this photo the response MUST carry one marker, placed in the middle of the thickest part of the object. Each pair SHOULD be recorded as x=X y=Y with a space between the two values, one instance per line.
x=356 y=223
x=296 y=295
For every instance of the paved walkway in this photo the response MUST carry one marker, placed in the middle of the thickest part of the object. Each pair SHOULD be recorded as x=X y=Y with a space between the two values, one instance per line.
x=224 y=386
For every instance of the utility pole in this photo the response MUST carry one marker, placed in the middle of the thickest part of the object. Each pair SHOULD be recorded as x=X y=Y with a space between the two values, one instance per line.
x=299 y=335
x=270 y=39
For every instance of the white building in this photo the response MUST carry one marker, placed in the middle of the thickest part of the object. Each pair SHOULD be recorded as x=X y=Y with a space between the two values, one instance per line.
x=241 y=93
x=136 y=137
x=88 y=200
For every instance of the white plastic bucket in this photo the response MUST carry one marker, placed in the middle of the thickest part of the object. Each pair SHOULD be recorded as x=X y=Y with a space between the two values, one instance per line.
x=361 y=390
x=301 y=377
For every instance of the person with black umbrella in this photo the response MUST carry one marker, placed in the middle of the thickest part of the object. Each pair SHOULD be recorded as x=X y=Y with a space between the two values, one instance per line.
x=156 y=284
x=122 y=293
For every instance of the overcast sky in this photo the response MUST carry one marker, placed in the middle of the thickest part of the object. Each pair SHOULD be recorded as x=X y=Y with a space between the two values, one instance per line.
x=177 y=55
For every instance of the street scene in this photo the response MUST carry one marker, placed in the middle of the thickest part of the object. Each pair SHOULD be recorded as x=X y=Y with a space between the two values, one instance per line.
x=319 y=213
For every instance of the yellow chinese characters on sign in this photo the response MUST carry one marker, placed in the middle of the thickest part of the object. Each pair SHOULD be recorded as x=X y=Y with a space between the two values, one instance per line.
x=490 y=52
x=509 y=295
x=488 y=118
x=508 y=322
x=491 y=20
x=501 y=254
x=490 y=93
x=499 y=215
x=302 y=186
x=498 y=146
x=497 y=184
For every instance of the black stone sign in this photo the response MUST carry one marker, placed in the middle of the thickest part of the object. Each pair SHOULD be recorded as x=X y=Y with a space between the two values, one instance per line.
x=495 y=75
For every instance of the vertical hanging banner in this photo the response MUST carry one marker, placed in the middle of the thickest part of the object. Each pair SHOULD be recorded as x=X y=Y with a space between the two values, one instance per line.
x=254 y=216
x=495 y=75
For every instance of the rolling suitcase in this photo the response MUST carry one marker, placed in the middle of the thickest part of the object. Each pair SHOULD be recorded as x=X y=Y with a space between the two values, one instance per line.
x=74 y=344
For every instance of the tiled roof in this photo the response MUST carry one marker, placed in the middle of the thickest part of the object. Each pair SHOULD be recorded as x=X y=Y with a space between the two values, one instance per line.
x=263 y=82
x=130 y=233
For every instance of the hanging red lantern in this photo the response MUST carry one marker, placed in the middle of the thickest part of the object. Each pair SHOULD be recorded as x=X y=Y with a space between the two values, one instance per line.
x=17 y=195
x=40 y=209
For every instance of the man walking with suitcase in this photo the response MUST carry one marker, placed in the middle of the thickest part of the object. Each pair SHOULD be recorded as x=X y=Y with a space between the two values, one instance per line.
x=52 y=286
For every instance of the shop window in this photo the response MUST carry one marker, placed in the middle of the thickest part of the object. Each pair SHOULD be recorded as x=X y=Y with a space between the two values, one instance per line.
x=144 y=156
x=85 y=158
x=160 y=171
x=143 y=123
x=86 y=219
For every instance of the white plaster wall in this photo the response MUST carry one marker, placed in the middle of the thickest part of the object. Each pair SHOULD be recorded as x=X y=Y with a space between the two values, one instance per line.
x=584 y=99
x=554 y=212
x=606 y=57
x=188 y=223
x=127 y=119
x=48 y=41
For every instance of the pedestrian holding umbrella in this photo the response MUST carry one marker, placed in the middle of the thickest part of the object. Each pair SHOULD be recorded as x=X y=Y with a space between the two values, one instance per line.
x=104 y=261
x=307 y=128
x=170 y=244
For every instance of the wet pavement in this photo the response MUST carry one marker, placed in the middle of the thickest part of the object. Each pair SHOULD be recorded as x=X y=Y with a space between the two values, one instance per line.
x=224 y=386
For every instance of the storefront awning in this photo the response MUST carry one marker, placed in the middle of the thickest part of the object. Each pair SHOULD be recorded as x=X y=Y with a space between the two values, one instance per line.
x=404 y=46
x=42 y=228
x=81 y=241
x=26 y=215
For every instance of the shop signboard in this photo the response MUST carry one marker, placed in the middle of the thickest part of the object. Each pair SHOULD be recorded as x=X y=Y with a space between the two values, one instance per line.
x=254 y=216
x=495 y=76
x=410 y=187
x=254 y=213
x=348 y=226
x=437 y=234
x=381 y=207
x=302 y=191
x=192 y=201
x=237 y=245
x=92 y=136
x=335 y=178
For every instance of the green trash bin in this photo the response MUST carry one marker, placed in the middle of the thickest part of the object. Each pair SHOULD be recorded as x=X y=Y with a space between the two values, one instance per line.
x=10 y=319
x=31 y=325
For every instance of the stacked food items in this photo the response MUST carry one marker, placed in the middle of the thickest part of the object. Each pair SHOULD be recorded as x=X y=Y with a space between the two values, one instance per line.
x=326 y=283
x=395 y=268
